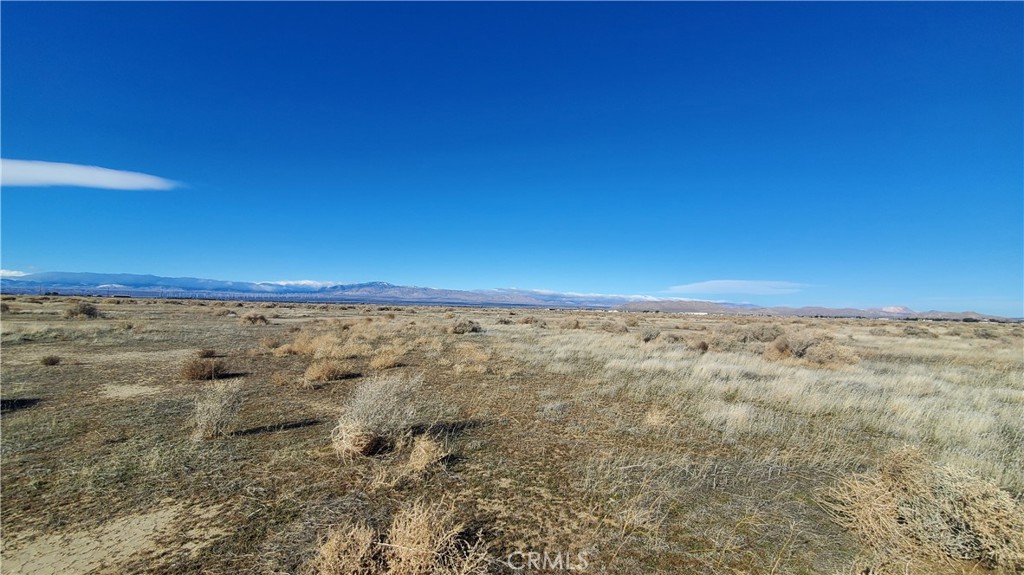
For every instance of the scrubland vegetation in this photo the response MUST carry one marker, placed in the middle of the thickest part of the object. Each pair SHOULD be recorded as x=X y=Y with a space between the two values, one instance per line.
x=330 y=439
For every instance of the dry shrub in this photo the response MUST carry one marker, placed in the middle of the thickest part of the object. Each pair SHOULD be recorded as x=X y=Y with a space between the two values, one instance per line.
x=570 y=323
x=648 y=335
x=425 y=453
x=348 y=551
x=465 y=326
x=4 y=308
x=125 y=325
x=380 y=411
x=700 y=346
x=428 y=539
x=82 y=310
x=759 y=332
x=505 y=321
x=778 y=349
x=215 y=409
x=985 y=333
x=350 y=439
x=198 y=369
x=253 y=318
x=49 y=360
x=326 y=370
x=910 y=507
x=282 y=378
x=386 y=358
x=918 y=331
x=424 y=539
x=632 y=321
x=828 y=353
x=205 y=353
x=665 y=337
x=614 y=327
x=535 y=322
x=817 y=349
x=270 y=342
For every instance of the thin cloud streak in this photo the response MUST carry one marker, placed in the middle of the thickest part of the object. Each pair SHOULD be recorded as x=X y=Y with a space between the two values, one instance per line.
x=749 y=287
x=12 y=274
x=34 y=173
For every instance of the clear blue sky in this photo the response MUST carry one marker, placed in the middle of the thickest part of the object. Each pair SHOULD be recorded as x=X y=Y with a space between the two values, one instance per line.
x=870 y=153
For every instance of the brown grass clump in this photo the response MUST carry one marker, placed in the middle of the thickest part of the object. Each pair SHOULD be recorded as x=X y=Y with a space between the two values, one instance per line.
x=253 y=318
x=205 y=353
x=911 y=508
x=649 y=335
x=918 y=331
x=348 y=551
x=215 y=410
x=570 y=323
x=386 y=358
x=324 y=370
x=350 y=439
x=534 y=321
x=465 y=326
x=424 y=539
x=270 y=342
x=198 y=369
x=281 y=378
x=82 y=310
x=380 y=411
x=614 y=327
x=49 y=360
x=427 y=538
x=425 y=453
x=814 y=348
x=4 y=308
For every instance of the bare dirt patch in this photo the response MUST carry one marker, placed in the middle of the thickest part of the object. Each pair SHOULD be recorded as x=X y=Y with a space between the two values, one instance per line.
x=104 y=548
x=115 y=391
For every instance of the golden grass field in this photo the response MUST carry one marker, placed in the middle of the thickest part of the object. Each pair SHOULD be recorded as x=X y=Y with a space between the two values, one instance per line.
x=170 y=436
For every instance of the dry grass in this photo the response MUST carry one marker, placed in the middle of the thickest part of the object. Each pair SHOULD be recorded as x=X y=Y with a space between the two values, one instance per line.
x=427 y=538
x=423 y=539
x=82 y=310
x=49 y=360
x=215 y=409
x=325 y=370
x=465 y=326
x=386 y=358
x=654 y=456
x=911 y=508
x=202 y=368
x=253 y=318
x=425 y=453
x=380 y=411
x=348 y=551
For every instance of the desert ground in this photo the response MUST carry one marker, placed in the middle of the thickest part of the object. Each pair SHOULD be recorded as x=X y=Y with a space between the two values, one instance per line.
x=174 y=436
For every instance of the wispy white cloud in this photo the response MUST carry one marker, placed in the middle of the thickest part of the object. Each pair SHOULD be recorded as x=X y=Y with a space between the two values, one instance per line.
x=749 y=287
x=36 y=173
x=12 y=274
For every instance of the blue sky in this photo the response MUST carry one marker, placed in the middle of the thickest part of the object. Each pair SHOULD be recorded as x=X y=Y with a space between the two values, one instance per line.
x=841 y=154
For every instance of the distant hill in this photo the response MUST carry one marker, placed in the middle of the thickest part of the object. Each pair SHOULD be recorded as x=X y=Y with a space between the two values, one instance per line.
x=375 y=292
x=135 y=285
x=668 y=306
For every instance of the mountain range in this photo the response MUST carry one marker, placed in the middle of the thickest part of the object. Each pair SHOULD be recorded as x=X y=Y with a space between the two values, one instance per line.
x=134 y=285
